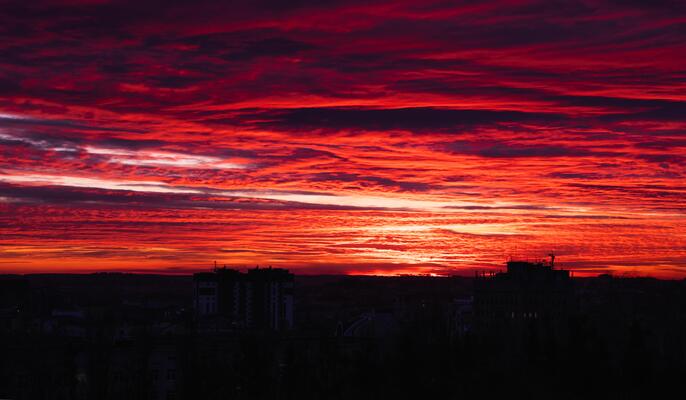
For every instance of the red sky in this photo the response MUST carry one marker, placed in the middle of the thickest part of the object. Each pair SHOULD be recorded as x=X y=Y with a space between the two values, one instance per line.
x=342 y=136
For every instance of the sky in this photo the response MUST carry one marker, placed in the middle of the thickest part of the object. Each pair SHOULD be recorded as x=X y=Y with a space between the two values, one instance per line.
x=358 y=137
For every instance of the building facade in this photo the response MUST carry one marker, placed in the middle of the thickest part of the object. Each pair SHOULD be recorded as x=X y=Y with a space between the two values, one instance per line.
x=529 y=296
x=262 y=298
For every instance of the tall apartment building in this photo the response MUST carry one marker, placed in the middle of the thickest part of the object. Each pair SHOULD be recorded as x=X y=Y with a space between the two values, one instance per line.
x=262 y=298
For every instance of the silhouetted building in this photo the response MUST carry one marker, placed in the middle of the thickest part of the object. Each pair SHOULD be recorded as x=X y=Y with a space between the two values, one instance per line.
x=530 y=330
x=528 y=294
x=219 y=293
x=258 y=299
x=269 y=299
x=164 y=370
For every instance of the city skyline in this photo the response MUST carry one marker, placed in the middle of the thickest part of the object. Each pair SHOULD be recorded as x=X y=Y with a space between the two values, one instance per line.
x=342 y=137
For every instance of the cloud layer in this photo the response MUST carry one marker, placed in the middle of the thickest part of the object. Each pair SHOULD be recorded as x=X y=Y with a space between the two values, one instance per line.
x=366 y=137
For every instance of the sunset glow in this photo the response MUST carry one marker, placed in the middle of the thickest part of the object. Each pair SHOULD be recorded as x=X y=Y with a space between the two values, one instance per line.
x=342 y=137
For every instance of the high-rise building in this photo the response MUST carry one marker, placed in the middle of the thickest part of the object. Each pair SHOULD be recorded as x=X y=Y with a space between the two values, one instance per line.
x=205 y=294
x=259 y=299
x=269 y=299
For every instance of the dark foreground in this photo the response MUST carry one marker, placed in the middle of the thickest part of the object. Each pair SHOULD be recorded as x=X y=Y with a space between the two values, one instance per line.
x=119 y=336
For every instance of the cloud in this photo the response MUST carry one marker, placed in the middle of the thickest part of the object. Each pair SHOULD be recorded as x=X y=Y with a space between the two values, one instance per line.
x=157 y=198
x=341 y=133
x=515 y=150
x=421 y=119
x=370 y=181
